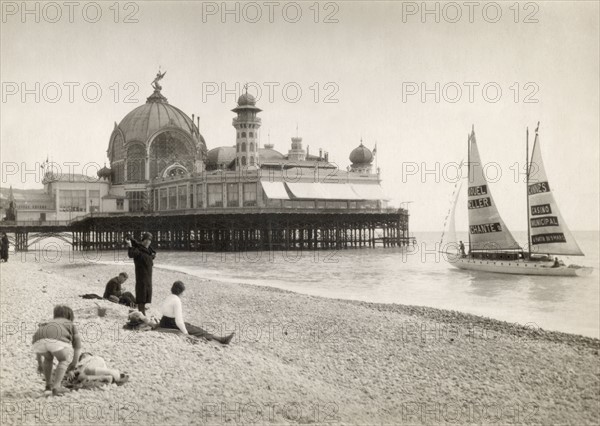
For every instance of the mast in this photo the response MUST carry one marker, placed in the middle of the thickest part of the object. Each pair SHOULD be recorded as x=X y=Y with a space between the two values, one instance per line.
x=469 y=181
x=527 y=191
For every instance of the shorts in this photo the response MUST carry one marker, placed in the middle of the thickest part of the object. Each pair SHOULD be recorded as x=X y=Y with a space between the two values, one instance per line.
x=43 y=346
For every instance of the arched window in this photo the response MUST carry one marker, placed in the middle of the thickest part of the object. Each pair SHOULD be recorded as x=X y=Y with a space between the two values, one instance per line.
x=252 y=161
x=243 y=146
x=169 y=148
x=243 y=134
x=136 y=163
x=243 y=161
x=118 y=149
x=251 y=146
x=176 y=171
x=251 y=134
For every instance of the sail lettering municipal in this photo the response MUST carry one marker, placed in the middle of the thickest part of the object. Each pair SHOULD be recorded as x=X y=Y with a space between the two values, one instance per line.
x=485 y=228
x=557 y=237
x=544 y=221
x=538 y=188
x=477 y=190
x=541 y=209
x=479 y=203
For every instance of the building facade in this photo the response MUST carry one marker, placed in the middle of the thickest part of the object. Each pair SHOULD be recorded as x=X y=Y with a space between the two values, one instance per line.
x=159 y=161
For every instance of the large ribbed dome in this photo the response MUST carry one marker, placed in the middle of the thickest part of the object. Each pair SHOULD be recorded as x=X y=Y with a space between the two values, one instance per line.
x=361 y=155
x=147 y=119
x=151 y=139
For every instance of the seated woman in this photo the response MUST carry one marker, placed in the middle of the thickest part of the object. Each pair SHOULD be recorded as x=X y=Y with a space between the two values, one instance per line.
x=173 y=317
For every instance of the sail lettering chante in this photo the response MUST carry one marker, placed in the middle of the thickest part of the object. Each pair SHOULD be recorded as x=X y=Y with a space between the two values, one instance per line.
x=492 y=248
x=487 y=230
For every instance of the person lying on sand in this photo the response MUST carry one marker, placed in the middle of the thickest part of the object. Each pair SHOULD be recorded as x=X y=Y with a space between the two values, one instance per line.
x=140 y=322
x=54 y=340
x=93 y=368
x=173 y=317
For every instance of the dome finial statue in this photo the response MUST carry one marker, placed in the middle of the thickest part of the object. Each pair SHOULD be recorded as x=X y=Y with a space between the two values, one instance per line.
x=158 y=77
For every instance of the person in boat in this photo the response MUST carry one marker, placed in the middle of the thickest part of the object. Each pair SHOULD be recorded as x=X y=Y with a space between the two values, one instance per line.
x=462 y=249
x=173 y=317
x=557 y=263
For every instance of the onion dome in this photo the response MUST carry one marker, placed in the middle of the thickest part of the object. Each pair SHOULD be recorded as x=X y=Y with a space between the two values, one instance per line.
x=361 y=155
x=246 y=99
x=247 y=103
x=104 y=172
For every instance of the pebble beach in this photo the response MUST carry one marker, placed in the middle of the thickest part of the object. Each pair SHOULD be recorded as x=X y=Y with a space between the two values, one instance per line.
x=295 y=359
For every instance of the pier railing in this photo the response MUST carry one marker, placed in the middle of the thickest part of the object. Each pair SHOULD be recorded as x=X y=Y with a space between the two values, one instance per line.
x=240 y=210
x=12 y=223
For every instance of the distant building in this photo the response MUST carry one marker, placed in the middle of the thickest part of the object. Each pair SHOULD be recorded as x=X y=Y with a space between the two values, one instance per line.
x=159 y=161
x=64 y=197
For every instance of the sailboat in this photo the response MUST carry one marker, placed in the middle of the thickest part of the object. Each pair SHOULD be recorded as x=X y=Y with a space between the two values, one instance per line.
x=492 y=247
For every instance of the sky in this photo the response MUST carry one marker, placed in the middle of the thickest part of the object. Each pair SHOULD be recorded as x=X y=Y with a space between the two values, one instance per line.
x=410 y=80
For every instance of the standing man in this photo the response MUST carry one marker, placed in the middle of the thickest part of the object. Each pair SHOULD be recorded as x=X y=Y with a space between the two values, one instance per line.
x=143 y=256
x=462 y=249
x=4 y=245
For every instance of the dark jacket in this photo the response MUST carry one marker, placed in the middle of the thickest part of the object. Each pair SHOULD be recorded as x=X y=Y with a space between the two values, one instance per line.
x=4 y=245
x=113 y=288
x=143 y=260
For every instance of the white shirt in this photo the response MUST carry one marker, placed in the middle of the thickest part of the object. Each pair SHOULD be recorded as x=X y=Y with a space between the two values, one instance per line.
x=171 y=307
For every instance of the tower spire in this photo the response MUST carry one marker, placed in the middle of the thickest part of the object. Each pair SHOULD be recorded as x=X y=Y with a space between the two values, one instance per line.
x=247 y=125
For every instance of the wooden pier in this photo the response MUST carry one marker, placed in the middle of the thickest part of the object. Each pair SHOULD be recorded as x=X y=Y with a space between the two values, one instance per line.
x=259 y=229
x=228 y=229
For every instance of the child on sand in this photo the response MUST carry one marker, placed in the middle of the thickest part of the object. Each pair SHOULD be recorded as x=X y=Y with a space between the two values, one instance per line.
x=54 y=339
x=93 y=368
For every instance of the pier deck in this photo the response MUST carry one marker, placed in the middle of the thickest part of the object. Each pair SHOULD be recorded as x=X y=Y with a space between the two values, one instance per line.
x=234 y=229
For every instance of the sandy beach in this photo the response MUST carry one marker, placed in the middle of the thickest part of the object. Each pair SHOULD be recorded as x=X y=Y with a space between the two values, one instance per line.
x=295 y=359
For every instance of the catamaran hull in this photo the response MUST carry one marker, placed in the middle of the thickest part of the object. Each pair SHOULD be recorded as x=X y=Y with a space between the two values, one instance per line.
x=520 y=267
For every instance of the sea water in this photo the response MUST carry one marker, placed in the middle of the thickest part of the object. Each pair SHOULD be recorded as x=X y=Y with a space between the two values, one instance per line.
x=415 y=276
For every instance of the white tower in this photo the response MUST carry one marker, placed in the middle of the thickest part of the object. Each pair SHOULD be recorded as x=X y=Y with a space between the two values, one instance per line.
x=246 y=125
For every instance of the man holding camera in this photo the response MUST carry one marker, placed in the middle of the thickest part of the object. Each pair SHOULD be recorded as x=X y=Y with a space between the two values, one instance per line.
x=143 y=256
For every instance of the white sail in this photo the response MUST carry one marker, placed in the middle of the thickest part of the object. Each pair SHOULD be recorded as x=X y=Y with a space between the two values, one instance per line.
x=449 y=242
x=452 y=219
x=486 y=228
x=549 y=232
